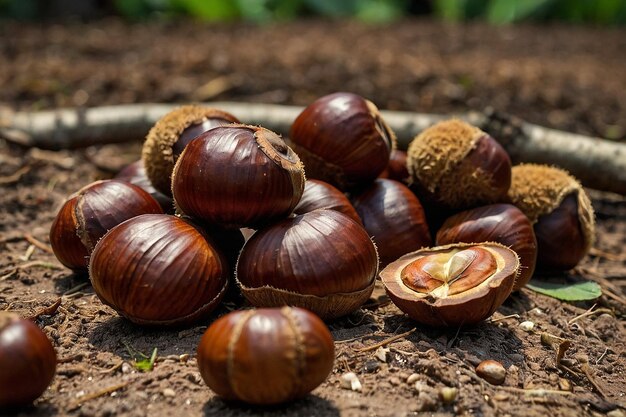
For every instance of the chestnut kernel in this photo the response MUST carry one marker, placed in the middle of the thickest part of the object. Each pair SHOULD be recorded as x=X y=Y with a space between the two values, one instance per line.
x=502 y=223
x=158 y=270
x=171 y=134
x=236 y=176
x=491 y=371
x=560 y=211
x=321 y=195
x=452 y=285
x=397 y=169
x=458 y=166
x=27 y=361
x=90 y=213
x=135 y=174
x=266 y=356
x=394 y=217
x=342 y=139
x=323 y=261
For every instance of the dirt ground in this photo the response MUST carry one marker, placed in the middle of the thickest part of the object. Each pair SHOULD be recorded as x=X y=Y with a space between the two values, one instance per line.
x=564 y=77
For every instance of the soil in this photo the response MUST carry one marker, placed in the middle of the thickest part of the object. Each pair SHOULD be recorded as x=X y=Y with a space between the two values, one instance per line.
x=570 y=78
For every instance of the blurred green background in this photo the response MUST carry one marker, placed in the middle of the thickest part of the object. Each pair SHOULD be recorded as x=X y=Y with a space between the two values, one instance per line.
x=597 y=12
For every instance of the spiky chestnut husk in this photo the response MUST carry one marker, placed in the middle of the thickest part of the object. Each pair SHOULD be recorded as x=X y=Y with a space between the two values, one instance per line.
x=560 y=211
x=502 y=223
x=266 y=356
x=158 y=270
x=342 y=139
x=458 y=166
x=238 y=176
x=452 y=285
x=89 y=213
x=170 y=135
x=321 y=195
x=322 y=261
x=135 y=174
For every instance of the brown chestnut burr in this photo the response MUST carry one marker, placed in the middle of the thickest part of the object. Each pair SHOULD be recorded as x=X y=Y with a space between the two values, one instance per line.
x=266 y=356
x=457 y=166
x=394 y=217
x=90 y=213
x=171 y=134
x=397 y=169
x=135 y=174
x=502 y=223
x=452 y=285
x=342 y=139
x=321 y=195
x=323 y=261
x=158 y=270
x=27 y=361
x=238 y=176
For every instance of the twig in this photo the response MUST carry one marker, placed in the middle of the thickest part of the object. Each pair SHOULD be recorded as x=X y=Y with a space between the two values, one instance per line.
x=607 y=255
x=606 y=350
x=46 y=311
x=16 y=176
x=38 y=243
x=97 y=394
x=590 y=312
x=28 y=253
x=510 y=316
x=585 y=370
x=112 y=369
x=385 y=342
x=75 y=289
x=534 y=391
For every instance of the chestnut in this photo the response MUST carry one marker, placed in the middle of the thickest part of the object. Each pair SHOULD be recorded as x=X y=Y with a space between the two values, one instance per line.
x=323 y=261
x=457 y=166
x=266 y=356
x=560 y=211
x=502 y=223
x=394 y=217
x=342 y=139
x=321 y=195
x=157 y=269
x=238 y=176
x=171 y=134
x=27 y=361
x=452 y=285
x=88 y=214
x=396 y=168
x=135 y=174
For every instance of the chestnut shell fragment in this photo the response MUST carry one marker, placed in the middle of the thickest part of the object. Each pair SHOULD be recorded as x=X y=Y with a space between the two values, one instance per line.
x=135 y=174
x=321 y=195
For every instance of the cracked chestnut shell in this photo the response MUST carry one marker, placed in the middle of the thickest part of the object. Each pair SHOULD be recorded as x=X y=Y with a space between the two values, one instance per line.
x=321 y=195
x=27 y=361
x=502 y=223
x=394 y=217
x=452 y=285
x=88 y=214
x=266 y=356
x=342 y=139
x=158 y=270
x=323 y=261
x=135 y=174
x=238 y=176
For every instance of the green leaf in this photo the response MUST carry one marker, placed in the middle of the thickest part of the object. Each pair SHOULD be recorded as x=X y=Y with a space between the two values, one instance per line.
x=146 y=365
x=579 y=291
x=506 y=11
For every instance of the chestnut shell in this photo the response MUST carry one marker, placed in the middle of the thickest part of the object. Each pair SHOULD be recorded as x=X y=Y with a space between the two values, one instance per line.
x=135 y=174
x=238 y=176
x=321 y=195
x=323 y=261
x=158 y=270
x=27 y=361
x=502 y=223
x=266 y=356
x=397 y=169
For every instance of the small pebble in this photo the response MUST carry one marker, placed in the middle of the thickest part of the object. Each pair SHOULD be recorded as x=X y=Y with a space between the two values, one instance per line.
x=412 y=378
x=448 y=394
x=615 y=413
x=527 y=326
x=381 y=354
x=394 y=380
x=371 y=366
x=350 y=381
x=565 y=385
x=168 y=392
x=491 y=371
x=126 y=368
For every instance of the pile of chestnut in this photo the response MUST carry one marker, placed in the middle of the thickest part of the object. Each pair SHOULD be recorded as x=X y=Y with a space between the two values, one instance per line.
x=217 y=208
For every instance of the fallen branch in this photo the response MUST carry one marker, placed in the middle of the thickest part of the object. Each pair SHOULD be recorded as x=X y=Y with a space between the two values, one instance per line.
x=597 y=163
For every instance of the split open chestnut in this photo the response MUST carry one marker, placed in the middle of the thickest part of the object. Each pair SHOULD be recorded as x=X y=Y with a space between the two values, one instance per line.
x=135 y=174
x=321 y=195
x=502 y=223
x=158 y=270
x=27 y=361
x=266 y=356
x=90 y=213
x=342 y=139
x=323 y=261
x=452 y=285
x=238 y=176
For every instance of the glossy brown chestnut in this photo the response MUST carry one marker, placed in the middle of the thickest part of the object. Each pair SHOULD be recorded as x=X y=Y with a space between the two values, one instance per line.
x=452 y=285
x=394 y=217
x=158 y=270
x=491 y=371
x=90 y=213
x=135 y=174
x=236 y=176
x=27 y=361
x=321 y=195
x=266 y=356
x=397 y=169
x=171 y=134
x=323 y=261
x=342 y=139
x=502 y=223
